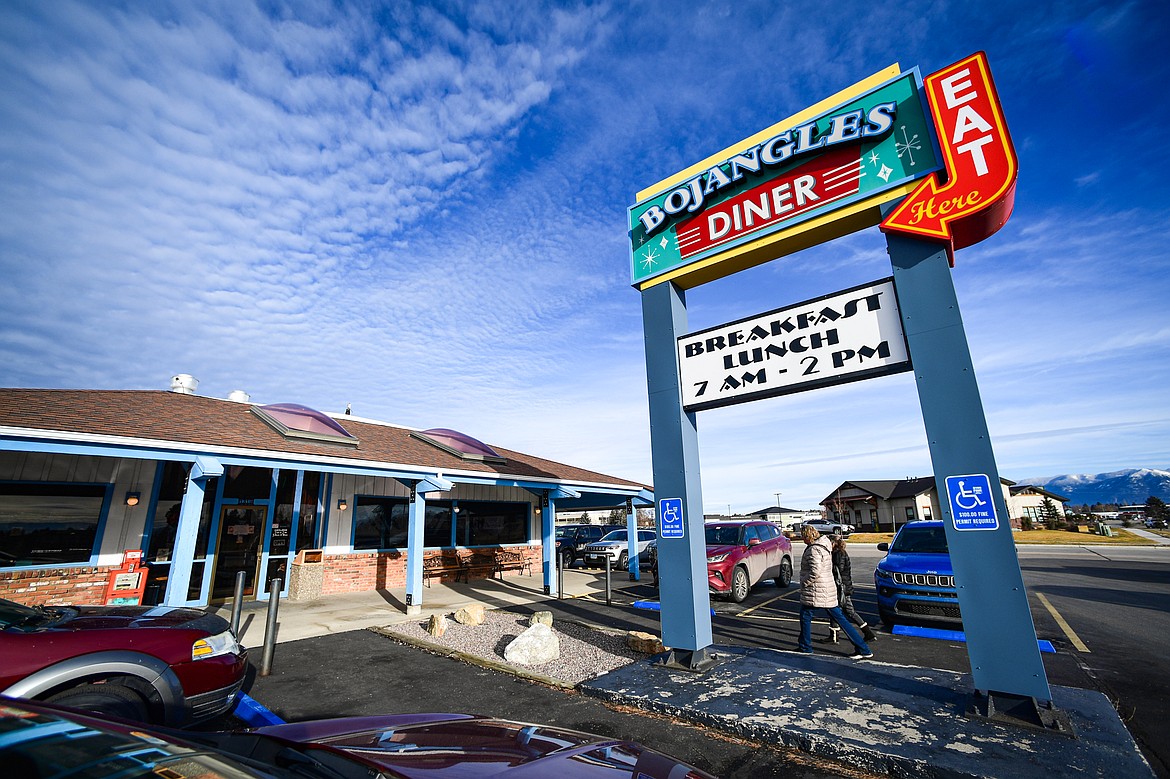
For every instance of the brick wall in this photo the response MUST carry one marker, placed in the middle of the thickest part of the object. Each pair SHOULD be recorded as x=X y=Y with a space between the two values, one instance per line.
x=362 y=572
x=84 y=586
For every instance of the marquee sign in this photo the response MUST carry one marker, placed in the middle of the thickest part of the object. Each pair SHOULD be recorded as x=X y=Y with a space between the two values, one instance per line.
x=875 y=141
x=981 y=165
x=848 y=336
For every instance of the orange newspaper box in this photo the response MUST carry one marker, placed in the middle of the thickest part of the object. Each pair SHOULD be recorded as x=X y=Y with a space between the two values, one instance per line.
x=128 y=581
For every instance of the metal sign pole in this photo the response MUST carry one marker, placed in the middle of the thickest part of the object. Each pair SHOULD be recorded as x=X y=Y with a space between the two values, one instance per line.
x=1001 y=638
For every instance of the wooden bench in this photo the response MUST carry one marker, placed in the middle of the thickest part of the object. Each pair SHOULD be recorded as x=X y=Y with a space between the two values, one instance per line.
x=438 y=565
x=512 y=560
x=476 y=561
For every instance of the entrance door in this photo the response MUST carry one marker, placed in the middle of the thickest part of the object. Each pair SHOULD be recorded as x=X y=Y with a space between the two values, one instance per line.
x=240 y=542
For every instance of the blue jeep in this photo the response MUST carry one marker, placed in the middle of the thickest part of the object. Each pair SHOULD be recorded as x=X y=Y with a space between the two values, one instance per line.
x=915 y=581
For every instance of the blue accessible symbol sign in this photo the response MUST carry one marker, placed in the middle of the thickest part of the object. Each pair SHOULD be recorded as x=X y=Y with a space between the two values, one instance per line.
x=670 y=518
x=972 y=506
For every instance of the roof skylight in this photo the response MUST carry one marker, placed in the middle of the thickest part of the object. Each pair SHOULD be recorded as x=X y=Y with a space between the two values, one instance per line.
x=459 y=444
x=293 y=420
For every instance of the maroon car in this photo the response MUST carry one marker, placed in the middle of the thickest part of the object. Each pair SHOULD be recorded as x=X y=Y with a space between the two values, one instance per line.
x=41 y=740
x=740 y=554
x=157 y=664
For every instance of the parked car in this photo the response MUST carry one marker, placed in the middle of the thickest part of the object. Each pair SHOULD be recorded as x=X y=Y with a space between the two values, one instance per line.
x=44 y=740
x=571 y=540
x=741 y=554
x=827 y=528
x=915 y=580
x=170 y=666
x=615 y=545
x=1156 y=524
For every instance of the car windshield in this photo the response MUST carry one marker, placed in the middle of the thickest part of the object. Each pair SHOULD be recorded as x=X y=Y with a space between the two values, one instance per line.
x=564 y=531
x=617 y=535
x=15 y=615
x=921 y=540
x=723 y=535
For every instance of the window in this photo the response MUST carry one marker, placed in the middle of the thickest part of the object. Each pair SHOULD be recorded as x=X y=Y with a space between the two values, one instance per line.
x=910 y=514
x=380 y=523
x=926 y=512
x=50 y=524
x=482 y=522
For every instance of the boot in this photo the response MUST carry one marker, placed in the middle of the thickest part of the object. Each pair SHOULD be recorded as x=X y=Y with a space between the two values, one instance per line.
x=832 y=637
x=868 y=633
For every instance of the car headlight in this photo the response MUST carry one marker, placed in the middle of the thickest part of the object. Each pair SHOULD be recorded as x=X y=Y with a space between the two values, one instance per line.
x=717 y=558
x=882 y=574
x=213 y=646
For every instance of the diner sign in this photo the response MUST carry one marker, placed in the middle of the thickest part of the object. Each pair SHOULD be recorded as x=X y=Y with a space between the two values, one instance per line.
x=808 y=167
x=848 y=336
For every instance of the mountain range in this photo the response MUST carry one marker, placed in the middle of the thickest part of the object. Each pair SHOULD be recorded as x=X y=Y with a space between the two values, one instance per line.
x=1127 y=487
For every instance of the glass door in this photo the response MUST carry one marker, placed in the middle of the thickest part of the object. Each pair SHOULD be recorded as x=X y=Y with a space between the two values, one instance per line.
x=240 y=542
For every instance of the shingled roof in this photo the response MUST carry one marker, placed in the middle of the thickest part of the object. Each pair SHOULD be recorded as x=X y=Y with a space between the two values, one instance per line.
x=145 y=417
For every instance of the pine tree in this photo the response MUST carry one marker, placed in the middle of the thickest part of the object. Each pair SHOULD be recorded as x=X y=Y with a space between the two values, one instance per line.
x=1156 y=508
x=1050 y=514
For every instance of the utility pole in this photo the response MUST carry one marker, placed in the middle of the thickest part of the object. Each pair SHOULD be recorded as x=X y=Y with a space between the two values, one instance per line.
x=777 y=494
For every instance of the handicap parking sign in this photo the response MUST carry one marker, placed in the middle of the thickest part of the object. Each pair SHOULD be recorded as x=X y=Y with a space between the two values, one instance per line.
x=670 y=518
x=972 y=505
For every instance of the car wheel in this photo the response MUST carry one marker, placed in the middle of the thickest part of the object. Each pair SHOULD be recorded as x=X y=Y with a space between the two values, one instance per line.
x=785 y=577
x=887 y=618
x=567 y=558
x=739 y=585
x=112 y=699
x=623 y=561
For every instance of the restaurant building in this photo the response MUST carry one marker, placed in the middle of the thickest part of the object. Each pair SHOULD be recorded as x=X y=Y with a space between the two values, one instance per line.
x=208 y=487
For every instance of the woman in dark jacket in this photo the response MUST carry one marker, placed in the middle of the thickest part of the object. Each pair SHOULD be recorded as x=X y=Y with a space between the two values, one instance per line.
x=843 y=573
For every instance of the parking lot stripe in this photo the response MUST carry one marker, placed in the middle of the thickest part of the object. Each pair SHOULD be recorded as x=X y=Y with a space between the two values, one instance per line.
x=789 y=594
x=1068 y=631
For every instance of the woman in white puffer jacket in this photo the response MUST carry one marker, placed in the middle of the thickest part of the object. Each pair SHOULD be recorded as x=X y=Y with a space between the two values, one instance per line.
x=818 y=590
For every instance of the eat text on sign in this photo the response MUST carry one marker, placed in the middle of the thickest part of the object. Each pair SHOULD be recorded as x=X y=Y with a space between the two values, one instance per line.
x=980 y=160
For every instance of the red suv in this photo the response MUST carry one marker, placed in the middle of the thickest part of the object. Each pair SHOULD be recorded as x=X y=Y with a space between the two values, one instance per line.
x=158 y=664
x=740 y=554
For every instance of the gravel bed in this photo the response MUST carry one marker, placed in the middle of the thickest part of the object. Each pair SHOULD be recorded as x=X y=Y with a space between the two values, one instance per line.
x=585 y=652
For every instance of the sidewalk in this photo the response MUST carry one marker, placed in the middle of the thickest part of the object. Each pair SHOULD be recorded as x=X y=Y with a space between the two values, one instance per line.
x=360 y=610
x=878 y=717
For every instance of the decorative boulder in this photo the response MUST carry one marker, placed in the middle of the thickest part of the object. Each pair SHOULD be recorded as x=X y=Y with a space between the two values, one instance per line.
x=537 y=645
x=541 y=618
x=437 y=626
x=473 y=614
x=644 y=642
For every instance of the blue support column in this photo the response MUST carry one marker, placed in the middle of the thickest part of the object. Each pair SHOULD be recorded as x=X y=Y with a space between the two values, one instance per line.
x=1001 y=638
x=187 y=533
x=632 y=541
x=414 y=551
x=548 y=546
x=674 y=449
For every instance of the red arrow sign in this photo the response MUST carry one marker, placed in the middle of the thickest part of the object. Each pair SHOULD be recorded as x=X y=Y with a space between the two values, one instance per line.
x=980 y=161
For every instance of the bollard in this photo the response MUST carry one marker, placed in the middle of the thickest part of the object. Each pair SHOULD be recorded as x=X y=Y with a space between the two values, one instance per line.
x=270 y=628
x=607 y=590
x=560 y=576
x=238 y=603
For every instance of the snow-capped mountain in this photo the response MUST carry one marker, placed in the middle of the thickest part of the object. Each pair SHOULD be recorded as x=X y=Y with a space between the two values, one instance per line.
x=1130 y=486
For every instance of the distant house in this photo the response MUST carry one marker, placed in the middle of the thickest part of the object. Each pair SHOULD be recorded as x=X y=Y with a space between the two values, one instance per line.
x=784 y=517
x=886 y=504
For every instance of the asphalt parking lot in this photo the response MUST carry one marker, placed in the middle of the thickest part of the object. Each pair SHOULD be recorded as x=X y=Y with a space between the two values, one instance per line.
x=1108 y=602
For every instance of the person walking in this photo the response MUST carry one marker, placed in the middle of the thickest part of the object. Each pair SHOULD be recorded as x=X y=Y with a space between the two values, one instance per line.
x=818 y=590
x=843 y=574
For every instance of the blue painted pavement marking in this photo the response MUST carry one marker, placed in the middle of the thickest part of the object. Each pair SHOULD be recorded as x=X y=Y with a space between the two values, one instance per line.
x=954 y=635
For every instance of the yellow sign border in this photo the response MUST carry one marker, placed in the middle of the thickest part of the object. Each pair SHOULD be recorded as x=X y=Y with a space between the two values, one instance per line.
x=849 y=219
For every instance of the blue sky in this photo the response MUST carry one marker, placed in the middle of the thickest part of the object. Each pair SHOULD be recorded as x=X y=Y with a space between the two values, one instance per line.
x=420 y=210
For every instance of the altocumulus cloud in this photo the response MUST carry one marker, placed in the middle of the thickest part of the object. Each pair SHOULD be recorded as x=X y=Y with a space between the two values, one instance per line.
x=183 y=183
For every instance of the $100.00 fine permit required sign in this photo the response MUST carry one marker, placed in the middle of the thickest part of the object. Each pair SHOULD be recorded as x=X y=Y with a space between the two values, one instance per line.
x=848 y=336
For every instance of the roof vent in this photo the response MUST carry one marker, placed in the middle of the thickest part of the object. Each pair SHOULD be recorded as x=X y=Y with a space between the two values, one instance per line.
x=184 y=384
x=239 y=396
